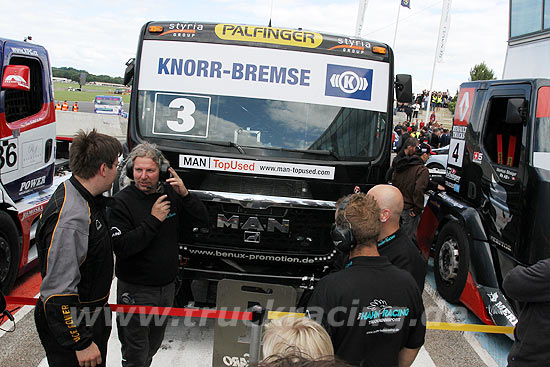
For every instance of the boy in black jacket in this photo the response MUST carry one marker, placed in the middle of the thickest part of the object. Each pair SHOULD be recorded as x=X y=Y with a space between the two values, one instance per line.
x=145 y=222
x=76 y=258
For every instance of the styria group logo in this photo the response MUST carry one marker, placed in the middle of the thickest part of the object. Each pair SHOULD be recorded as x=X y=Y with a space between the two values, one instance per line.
x=348 y=82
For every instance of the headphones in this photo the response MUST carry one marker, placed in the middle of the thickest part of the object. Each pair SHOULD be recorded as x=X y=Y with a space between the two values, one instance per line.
x=164 y=174
x=342 y=236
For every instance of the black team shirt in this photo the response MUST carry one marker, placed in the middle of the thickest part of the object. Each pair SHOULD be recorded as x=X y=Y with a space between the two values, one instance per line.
x=402 y=252
x=371 y=310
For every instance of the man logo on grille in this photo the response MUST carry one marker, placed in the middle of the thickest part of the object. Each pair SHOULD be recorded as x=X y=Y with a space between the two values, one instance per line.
x=348 y=82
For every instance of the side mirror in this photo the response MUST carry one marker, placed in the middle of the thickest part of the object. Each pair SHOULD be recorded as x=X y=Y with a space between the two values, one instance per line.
x=16 y=77
x=129 y=72
x=516 y=111
x=403 y=88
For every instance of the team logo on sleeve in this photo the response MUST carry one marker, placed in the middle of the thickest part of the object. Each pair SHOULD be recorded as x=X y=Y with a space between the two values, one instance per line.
x=348 y=82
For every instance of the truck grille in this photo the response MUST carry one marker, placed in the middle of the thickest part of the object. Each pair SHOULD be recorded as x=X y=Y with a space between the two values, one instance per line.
x=257 y=186
x=308 y=229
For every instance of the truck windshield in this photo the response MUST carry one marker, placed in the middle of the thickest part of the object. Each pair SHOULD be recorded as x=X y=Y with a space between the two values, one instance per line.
x=340 y=132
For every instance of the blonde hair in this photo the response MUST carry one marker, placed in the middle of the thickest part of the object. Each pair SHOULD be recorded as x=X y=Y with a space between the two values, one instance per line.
x=298 y=336
x=362 y=213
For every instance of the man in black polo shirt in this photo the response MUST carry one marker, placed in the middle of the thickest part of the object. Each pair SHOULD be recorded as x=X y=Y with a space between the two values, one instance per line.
x=372 y=310
x=392 y=242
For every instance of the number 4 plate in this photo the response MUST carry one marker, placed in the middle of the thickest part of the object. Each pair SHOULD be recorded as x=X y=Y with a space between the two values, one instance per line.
x=456 y=152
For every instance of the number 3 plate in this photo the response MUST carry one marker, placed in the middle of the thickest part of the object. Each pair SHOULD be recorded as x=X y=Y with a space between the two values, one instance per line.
x=181 y=115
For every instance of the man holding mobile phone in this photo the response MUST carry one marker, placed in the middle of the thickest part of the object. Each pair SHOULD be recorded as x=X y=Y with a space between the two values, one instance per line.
x=145 y=223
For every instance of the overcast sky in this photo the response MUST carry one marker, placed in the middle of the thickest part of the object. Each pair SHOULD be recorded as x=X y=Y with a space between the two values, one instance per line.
x=100 y=36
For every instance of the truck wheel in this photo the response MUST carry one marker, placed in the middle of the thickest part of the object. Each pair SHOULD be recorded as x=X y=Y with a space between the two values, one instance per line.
x=10 y=252
x=451 y=261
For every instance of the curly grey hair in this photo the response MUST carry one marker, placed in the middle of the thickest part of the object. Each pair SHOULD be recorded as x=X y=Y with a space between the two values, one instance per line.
x=148 y=150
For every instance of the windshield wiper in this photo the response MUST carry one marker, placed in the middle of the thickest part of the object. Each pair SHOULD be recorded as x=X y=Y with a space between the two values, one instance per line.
x=320 y=152
x=241 y=150
x=311 y=151
x=224 y=144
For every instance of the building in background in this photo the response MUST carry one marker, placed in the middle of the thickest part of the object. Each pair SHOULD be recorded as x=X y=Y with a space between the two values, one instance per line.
x=528 y=54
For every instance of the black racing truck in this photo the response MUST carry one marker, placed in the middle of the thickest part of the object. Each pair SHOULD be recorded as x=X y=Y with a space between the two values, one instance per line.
x=269 y=127
x=494 y=213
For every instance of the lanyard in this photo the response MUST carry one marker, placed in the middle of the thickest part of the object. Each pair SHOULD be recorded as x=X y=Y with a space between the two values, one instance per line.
x=386 y=240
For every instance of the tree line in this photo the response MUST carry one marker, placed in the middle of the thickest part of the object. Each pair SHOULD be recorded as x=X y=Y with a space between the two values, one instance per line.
x=74 y=75
x=478 y=72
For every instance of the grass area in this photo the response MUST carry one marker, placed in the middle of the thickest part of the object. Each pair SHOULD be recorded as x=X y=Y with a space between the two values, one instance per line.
x=87 y=94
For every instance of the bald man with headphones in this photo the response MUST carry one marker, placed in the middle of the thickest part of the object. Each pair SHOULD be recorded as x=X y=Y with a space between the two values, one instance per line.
x=145 y=225
x=372 y=310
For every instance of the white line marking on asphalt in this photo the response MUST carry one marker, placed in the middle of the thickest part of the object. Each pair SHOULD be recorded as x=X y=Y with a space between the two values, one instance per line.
x=469 y=336
x=18 y=315
x=423 y=359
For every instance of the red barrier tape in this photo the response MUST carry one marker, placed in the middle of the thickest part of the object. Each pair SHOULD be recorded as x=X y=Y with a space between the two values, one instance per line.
x=149 y=310
x=238 y=315
x=21 y=301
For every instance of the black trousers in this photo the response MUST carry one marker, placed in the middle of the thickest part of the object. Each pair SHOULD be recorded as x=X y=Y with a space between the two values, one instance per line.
x=409 y=224
x=141 y=335
x=59 y=356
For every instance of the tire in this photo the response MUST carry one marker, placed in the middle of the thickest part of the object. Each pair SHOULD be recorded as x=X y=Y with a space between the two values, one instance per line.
x=10 y=252
x=451 y=261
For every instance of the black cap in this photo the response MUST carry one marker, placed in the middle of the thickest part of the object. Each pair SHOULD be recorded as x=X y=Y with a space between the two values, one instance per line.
x=423 y=148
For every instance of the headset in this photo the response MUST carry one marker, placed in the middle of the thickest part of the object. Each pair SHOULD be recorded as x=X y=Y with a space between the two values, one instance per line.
x=342 y=236
x=164 y=174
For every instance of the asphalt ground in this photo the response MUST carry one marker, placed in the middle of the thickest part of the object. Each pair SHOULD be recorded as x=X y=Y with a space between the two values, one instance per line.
x=82 y=106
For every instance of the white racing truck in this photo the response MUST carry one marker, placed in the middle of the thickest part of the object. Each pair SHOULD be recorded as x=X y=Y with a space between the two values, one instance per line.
x=27 y=153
